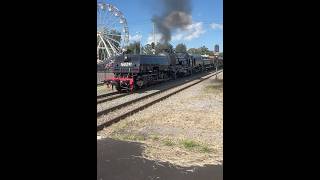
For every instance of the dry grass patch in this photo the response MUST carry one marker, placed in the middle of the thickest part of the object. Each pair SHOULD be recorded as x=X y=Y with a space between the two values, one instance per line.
x=154 y=137
x=213 y=88
x=168 y=142
x=103 y=89
x=128 y=137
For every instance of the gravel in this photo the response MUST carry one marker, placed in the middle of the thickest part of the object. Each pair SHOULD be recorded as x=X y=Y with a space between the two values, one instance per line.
x=103 y=89
x=118 y=101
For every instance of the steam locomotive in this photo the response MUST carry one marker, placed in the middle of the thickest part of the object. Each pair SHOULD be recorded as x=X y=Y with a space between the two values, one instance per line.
x=136 y=71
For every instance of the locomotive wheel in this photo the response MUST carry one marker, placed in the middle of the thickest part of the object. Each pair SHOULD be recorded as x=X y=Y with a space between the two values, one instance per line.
x=135 y=87
x=118 y=88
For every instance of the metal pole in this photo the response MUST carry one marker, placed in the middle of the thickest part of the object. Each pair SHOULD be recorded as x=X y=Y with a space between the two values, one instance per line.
x=140 y=47
x=140 y=43
x=216 y=67
x=154 y=39
x=154 y=36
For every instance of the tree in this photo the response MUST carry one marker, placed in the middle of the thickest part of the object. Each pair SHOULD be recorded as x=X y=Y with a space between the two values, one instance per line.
x=133 y=48
x=181 y=48
x=201 y=51
x=166 y=47
x=204 y=50
x=142 y=50
x=193 y=51
x=147 y=49
x=211 y=53
x=159 y=48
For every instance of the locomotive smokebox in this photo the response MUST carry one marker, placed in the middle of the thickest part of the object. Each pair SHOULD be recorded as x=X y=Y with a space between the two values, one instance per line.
x=126 y=58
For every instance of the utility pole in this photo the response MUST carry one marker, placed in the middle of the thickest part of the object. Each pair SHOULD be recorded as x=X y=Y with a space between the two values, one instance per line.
x=141 y=47
x=154 y=36
x=154 y=40
x=135 y=48
x=139 y=43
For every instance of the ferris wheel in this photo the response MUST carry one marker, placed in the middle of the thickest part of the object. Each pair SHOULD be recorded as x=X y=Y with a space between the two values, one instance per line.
x=112 y=31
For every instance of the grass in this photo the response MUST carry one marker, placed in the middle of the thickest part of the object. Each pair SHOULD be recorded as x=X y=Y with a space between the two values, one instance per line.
x=99 y=87
x=205 y=149
x=189 y=144
x=193 y=145
x=213 y=88
x=168 y=142
x=103 y=88
x=155 y=137
x=131 y=137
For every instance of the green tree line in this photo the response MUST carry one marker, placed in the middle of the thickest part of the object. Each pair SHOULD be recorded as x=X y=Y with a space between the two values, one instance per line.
x=149 y=49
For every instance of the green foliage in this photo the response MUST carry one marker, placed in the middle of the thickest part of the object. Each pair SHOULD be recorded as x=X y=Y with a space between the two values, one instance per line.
x=133 y=137
x=188 y=144
x=205 y=149
x=166 y=47
x=168 y=142
x=181 y=48
x=155 y=137
x=159 y=48
x=133 y=48
x=147 y=49
x=202 y=51
x=193 y=51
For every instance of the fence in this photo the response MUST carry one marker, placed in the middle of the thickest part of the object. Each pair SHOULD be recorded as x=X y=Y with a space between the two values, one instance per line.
x=102 y=75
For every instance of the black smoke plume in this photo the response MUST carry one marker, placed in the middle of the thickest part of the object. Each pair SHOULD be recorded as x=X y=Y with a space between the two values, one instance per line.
x=177 y=14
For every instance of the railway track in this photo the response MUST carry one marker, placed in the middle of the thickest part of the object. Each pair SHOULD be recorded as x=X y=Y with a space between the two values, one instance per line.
x=104 y=108
x=113 y=114
x=106 y=95
x=115 y=95
x=109 y=97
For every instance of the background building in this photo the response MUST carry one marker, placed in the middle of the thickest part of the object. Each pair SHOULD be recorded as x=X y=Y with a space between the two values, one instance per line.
x=216 y=48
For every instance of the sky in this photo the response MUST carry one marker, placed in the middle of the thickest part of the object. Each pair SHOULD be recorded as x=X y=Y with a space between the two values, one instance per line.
x=206 y=28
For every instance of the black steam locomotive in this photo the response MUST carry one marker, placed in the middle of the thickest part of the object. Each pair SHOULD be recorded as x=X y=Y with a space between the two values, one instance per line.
x=136 y=71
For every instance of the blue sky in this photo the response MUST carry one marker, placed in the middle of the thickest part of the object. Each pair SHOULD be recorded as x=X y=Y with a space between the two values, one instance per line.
x=206 y=29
